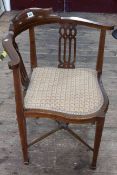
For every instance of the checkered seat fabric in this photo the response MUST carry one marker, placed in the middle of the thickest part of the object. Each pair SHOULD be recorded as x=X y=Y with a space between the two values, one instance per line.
x=71 y=91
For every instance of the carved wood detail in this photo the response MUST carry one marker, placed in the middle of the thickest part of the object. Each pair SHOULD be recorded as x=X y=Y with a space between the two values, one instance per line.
x=67 y=46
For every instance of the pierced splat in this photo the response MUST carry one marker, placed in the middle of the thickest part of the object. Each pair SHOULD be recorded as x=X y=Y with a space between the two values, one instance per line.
x=24 y=75
x=67 y=45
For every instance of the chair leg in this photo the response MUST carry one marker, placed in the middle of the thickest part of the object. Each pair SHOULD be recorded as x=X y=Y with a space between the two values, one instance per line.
x=23 y=138
x=98 y=135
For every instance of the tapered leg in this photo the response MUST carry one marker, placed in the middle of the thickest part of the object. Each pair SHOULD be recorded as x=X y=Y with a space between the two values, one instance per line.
x=23 y=138
x=98 y=135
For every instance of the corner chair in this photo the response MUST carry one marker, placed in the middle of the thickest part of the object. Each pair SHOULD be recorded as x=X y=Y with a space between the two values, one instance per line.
x=65 y=94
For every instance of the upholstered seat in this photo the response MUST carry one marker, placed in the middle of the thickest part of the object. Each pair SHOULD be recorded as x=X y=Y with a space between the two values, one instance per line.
x=72 y=91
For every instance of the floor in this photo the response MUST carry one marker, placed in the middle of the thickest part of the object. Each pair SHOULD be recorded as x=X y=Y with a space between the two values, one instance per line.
x=59 y=154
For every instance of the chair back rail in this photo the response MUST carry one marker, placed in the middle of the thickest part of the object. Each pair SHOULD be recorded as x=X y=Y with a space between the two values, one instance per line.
x=32 y=17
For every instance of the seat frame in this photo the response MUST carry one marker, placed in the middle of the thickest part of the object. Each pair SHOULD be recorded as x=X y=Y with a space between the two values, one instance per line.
x=27 y=20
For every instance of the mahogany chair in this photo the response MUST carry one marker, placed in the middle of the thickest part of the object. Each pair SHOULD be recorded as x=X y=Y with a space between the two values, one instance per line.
x=65 y=94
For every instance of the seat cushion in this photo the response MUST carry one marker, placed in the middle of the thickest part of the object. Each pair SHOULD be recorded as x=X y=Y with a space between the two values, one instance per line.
x=71 y=91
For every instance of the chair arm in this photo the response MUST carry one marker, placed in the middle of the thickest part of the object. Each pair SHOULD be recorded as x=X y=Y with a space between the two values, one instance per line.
x=7 y=43
x=82 y=21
